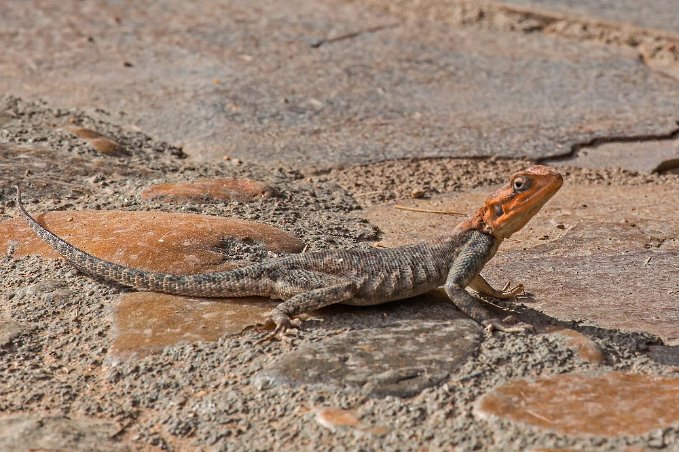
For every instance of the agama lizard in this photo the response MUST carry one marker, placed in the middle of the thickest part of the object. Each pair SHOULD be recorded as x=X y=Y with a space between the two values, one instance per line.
x=358 y=277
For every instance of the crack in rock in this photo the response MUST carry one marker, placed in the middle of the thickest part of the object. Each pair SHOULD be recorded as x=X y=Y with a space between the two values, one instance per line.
x=653 y=153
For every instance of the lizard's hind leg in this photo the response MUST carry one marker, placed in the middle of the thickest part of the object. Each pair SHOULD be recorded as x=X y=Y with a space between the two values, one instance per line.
x=282 y=314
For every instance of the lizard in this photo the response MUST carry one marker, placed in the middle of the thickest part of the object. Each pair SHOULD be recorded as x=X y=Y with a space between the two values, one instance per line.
x=362 y=277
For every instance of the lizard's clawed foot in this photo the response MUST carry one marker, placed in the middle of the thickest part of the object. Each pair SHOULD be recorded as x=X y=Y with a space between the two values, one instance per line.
x=255 y=326
x=506 y=293
x=508 y=325
x=285 y=328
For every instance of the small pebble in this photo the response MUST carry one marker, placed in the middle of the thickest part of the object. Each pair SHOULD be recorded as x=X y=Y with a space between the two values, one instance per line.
x=336 y=417
x=418 y=193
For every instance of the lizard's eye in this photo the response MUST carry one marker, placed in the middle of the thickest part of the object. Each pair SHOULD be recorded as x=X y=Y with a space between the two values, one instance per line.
x=521 y=184
x=499 y=211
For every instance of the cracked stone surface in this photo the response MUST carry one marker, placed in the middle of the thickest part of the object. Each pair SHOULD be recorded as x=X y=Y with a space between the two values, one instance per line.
x=159 y=241
x=626 y=236
x=411 y=89
x=643 y=156
x=609 y=404
x=146 y=322
x=35 y=432
x=659 y=14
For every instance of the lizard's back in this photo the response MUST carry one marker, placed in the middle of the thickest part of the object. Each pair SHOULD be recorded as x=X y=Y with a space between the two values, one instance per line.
x=379 y=275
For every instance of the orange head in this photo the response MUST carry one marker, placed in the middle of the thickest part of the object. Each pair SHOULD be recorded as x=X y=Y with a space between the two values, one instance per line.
x=512 y=206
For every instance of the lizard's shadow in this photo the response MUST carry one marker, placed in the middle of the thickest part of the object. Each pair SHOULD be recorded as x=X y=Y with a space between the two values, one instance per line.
x=436 y=306
x=432 y=306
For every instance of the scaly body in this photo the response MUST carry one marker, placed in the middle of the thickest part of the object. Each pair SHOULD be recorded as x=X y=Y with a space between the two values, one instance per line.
x=358 y=277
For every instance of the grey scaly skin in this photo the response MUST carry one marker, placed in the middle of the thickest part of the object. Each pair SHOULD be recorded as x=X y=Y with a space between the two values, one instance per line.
x=306 y=282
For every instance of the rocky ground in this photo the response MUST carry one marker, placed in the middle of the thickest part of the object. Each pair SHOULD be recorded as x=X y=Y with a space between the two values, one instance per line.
x=191 y=139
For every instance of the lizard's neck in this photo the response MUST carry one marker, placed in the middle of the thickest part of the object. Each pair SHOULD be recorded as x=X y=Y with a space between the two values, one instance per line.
x=449 y=244
x=474 y=222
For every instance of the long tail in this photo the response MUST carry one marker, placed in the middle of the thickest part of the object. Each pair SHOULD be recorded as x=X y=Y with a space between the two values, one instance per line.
x=240 y=282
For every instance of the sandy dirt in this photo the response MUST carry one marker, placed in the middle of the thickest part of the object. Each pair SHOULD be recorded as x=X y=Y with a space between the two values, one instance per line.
x=56 y=327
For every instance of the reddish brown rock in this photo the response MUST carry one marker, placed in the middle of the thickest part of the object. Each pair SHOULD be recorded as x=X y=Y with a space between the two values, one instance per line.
x=145 y=322
x=99 y=142
x=167 y=242
x=586 y=348
x=208 y=190
x=83 y=132
x=336 y=417
x=611 y=404
x=106 y=146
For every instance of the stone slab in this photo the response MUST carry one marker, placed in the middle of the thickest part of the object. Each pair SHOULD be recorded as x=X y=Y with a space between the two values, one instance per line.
x=610 y=404
x=605 y=254
x=665 y=354
x=612 y=290
x=328 y=83
x=25 y=432
x=146 y=322
x=9 y=330
x=159 y=241
x=656 y=14
x=398 y=360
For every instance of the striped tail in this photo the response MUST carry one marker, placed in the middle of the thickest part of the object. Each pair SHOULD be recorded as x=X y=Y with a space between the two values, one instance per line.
x=240 y=282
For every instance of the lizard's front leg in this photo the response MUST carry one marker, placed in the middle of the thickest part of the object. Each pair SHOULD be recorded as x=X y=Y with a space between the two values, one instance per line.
x=282 y=315
x=464 y=269
x=474 y=308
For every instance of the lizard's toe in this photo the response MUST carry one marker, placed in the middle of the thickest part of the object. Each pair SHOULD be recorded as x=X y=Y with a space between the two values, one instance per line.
x=284 y=331
x=261 y=326
x=508 y=293
x=500 y=325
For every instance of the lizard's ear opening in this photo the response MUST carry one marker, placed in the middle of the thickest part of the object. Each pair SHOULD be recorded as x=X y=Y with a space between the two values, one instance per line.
x=493 y=216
